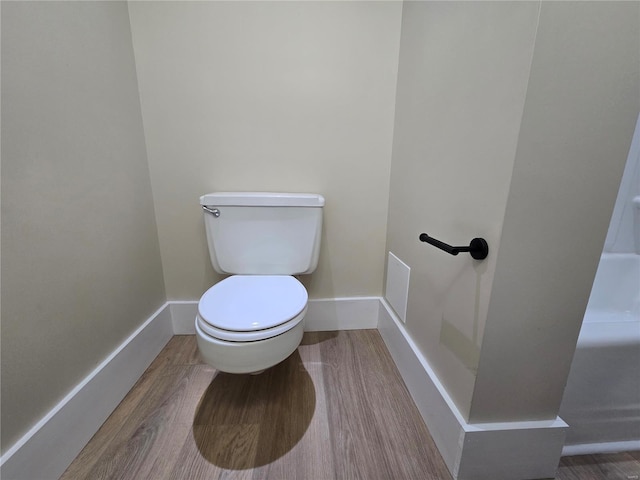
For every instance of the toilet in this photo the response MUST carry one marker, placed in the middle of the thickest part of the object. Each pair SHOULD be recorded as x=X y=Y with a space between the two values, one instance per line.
x=254 y=319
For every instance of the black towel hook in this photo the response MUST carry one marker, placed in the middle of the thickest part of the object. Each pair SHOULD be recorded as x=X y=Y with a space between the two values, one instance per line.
x=478 y=248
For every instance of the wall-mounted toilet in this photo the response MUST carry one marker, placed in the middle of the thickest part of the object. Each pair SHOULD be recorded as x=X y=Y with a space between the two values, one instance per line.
x=253 y=319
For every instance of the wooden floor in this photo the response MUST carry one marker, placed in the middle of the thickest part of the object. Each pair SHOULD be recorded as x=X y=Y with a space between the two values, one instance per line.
x=336 y=409
x=614 y=466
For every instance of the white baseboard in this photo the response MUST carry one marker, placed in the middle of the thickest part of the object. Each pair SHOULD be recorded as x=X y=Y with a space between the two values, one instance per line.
x=496 y=451
x=183 y=316
x=349 y=313
x=46 y=450
x=608 y=447
x=326 y=314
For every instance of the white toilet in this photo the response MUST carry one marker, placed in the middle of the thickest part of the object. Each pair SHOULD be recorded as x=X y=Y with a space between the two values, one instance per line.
x=253 y=319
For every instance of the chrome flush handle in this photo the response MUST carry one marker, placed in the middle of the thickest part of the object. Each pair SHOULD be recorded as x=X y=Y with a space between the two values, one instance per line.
x=213 y=211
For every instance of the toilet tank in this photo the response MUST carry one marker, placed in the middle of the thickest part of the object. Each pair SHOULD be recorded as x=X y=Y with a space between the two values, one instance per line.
x=255 y=233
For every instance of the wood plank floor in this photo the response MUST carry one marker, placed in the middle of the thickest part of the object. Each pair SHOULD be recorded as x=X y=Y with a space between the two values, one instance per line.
x=614 y=466
x=336 y=409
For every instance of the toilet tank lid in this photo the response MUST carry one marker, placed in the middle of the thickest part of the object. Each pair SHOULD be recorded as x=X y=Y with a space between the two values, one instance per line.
x=262 y=199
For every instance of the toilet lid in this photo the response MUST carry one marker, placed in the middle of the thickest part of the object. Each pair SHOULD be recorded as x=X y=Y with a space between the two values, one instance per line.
x=246 y=303
x=256 y=335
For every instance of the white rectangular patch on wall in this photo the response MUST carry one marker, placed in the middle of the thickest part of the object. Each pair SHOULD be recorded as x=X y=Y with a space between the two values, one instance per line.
x=397 y=289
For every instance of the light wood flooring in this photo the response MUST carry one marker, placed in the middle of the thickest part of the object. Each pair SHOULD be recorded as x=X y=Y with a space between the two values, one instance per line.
x=335 y=409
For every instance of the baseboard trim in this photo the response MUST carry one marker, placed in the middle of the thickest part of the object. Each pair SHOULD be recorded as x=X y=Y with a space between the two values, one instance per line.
x=497 y=451
x=347 y=313
x=48 y=448
x=324 y=314
x=183 y=315
x=596 y=448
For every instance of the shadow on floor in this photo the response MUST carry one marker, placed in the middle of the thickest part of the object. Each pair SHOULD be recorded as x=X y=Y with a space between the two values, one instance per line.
x=313 y=338
x=246 y=421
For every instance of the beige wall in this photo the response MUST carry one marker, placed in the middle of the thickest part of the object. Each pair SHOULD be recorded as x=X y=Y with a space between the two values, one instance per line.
x=270 y=96
x=579 y=116
x=513 y=122
x=463 y=74
x=80 y=258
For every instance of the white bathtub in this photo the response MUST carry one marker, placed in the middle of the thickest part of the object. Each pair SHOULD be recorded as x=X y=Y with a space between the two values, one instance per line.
x=601 y=403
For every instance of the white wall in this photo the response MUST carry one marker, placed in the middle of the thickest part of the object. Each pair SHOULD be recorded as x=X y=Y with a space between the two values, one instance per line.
x=270 y=96
x=80 y=257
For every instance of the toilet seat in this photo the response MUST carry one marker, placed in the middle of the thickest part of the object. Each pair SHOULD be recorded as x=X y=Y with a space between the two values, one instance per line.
x=247 y=308
x=230 y=336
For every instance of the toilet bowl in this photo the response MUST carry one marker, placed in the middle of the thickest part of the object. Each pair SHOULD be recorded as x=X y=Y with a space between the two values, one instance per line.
x=247 y=323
